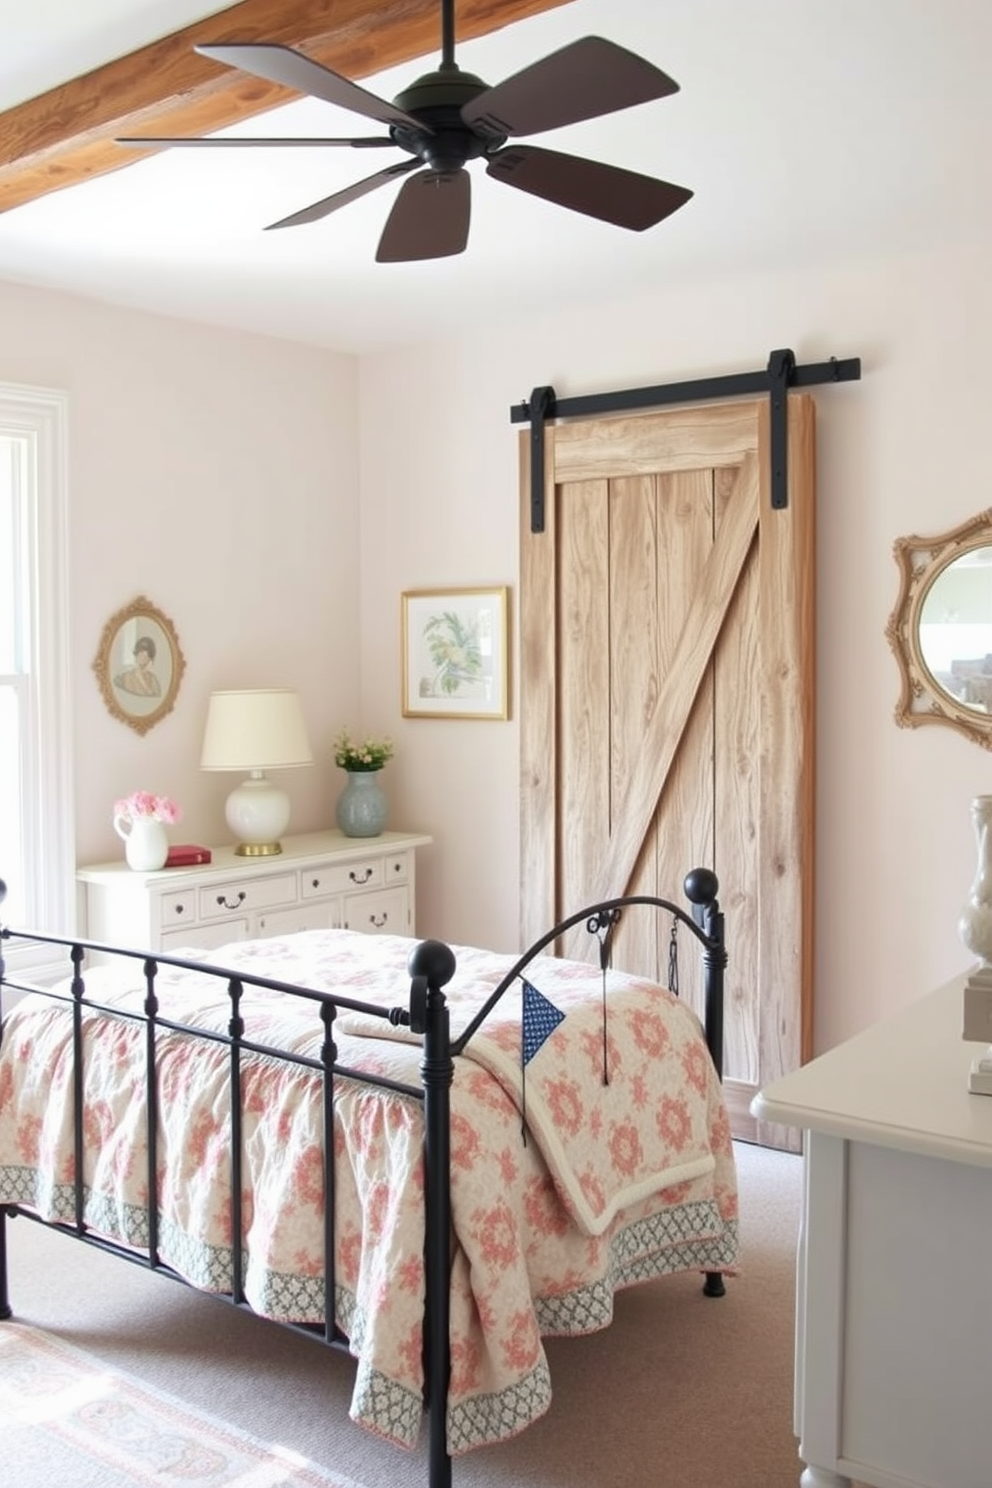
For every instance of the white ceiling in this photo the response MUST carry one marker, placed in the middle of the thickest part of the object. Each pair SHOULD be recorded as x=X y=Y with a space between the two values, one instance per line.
x=808 y=130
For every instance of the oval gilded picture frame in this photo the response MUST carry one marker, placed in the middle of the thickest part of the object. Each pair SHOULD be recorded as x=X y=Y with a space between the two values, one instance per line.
x=139 y=665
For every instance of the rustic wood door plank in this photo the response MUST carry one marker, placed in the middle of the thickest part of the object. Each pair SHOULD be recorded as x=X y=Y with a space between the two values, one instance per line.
x=697 y=639
x=785 y=860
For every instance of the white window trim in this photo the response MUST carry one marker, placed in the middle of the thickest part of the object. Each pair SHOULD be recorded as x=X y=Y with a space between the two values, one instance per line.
x=42 y=415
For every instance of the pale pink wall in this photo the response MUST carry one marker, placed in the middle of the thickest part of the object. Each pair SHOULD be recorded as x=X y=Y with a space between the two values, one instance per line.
x=217 y=475
x=900 y=452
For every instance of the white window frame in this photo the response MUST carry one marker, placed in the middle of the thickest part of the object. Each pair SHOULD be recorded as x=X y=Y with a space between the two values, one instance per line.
x=39 y=416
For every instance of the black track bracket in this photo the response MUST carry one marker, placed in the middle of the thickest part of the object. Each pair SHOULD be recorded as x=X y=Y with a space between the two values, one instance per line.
x=780 y=374
x=781 y=367
x=543 y=405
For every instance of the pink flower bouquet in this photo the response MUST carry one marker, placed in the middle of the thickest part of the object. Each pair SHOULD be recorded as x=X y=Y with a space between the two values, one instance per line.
x=144 y=806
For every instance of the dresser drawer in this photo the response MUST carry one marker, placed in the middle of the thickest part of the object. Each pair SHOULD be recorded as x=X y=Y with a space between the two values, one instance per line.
x=178 y=910
x=318 y=914
x=338 y=878
x=386 y=912
x=204 y=937
x=243 y=896
x=398 y=868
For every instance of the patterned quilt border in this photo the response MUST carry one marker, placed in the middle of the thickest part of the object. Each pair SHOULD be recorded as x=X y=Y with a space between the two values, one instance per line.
x=686 y=1237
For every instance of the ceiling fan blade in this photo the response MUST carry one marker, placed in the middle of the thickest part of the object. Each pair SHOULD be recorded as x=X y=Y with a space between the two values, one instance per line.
x=290 y=69
x=584 y=80
x=232 y=142
x=622 y=197
x=342 y=198
x=430 y=218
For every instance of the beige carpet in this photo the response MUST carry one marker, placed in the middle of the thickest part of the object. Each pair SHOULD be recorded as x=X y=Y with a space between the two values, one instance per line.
x=682 y=1391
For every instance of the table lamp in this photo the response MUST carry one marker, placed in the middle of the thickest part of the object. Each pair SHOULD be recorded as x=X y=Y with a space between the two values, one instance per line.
x=257 y=730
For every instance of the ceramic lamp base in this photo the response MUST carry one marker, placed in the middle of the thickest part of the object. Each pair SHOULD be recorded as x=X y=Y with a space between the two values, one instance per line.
x=257 y=812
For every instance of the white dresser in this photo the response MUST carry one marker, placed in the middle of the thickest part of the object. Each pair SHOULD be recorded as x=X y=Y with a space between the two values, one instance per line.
x=894 y=1296
x=321 y=880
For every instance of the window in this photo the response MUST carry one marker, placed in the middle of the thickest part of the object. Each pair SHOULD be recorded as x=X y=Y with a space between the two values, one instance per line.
x=36 y=815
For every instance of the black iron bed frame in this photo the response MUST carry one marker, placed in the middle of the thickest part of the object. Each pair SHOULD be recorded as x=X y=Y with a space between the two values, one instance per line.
x=431 y=966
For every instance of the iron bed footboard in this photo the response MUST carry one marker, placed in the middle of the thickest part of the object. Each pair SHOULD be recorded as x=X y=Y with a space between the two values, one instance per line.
x=431 y=966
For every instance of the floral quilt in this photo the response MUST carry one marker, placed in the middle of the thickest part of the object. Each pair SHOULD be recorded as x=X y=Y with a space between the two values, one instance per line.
x=602 y=1160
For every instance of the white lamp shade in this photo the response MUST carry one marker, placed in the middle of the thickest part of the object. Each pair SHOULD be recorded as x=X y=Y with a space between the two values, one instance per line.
x=258 y=730
x=262 y=729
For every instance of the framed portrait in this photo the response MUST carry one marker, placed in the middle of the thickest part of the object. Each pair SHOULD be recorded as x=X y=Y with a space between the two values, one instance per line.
x=455 y=646
x=139 y=665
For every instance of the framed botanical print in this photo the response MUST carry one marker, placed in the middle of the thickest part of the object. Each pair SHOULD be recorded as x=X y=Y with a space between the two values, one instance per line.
x=455 y=653
x=139 y=665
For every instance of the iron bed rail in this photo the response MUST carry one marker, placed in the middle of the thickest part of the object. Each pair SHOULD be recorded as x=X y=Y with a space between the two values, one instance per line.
x=431 y=967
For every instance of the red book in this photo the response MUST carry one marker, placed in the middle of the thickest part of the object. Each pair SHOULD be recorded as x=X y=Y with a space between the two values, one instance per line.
x=185 y=854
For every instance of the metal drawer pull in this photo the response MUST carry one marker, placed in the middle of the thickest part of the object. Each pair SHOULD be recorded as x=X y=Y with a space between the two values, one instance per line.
x=378 y=923
x=179 y=908
x=315 y=883
x=360 y=880
x=225 y=903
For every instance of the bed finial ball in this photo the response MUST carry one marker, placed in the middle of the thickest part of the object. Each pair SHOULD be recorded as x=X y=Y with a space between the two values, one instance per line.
x=701 y=886
x=434 y=960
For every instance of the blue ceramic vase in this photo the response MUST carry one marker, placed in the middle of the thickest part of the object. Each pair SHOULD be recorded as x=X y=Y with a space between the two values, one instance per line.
x=362 y=805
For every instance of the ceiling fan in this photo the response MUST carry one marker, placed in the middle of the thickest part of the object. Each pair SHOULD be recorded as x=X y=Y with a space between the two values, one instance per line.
x=448 y=118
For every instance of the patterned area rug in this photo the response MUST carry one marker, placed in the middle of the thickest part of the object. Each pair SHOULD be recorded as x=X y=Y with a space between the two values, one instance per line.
x=91 y=1425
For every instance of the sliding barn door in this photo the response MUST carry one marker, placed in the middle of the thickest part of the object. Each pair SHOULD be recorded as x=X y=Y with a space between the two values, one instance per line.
x=666 y=637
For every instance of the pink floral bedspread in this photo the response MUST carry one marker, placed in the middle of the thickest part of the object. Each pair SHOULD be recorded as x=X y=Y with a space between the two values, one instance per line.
x=564 y=1188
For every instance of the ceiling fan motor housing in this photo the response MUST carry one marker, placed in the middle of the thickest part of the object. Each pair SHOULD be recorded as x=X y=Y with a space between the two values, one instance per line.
x=437 y=98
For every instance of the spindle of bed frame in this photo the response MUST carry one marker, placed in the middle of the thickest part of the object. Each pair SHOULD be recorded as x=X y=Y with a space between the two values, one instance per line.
x=328 y=1056
x=152 y=1109
x=236 y=1033
x=77 y=989
x=701 y=888
x=431 y=967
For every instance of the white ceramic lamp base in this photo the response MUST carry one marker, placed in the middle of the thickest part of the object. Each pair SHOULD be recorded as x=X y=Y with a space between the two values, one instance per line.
x=257 y=813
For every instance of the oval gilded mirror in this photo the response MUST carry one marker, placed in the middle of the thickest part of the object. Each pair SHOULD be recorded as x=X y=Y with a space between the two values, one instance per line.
x=941 y=629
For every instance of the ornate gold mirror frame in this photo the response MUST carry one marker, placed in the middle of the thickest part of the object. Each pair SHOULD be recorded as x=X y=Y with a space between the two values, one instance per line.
x=941 y=629
x=139 y=665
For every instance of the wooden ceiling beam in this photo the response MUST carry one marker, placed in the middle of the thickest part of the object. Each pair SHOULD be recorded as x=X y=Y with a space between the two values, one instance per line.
x=67 y=135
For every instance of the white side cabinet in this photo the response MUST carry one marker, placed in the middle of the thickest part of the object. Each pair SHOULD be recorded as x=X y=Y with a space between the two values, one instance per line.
x=322 y=880
x=894 y=1297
